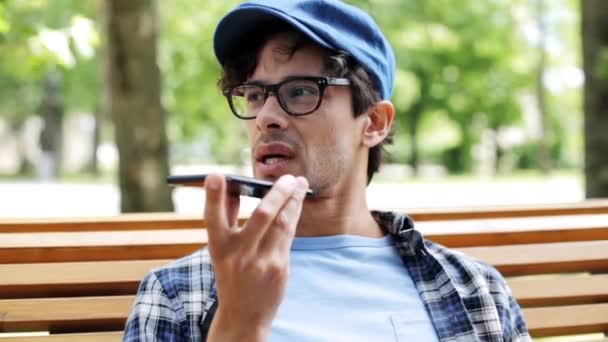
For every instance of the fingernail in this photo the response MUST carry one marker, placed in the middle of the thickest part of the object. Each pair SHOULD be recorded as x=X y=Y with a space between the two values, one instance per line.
x=302 y=184
x=288 y=180
x=212 y=183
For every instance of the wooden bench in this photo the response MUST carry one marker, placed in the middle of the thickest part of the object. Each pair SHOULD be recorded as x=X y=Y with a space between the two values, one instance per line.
x=76 y=278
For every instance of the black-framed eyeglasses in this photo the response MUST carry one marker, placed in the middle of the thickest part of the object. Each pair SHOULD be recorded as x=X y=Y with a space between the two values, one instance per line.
x=296 y=95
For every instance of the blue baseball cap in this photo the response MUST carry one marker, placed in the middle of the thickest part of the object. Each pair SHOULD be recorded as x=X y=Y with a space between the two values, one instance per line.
x=332 y=24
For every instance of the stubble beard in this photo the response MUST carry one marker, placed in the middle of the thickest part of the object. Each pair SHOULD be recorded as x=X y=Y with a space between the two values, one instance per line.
x=324 y=172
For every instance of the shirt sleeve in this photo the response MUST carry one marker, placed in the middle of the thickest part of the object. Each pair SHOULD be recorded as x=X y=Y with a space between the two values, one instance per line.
x=154 y=316
x=519 y=331
x=512 y=319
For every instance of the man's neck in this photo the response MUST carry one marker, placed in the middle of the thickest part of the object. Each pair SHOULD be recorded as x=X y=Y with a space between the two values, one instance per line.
x=338 y=215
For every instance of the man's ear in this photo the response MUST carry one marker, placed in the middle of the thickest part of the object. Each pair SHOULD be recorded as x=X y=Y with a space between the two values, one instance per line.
x=378 y=123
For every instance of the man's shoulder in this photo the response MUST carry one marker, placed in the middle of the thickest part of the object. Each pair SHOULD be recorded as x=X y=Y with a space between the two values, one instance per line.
x=189 y=274
x=483 y=290
x=467 y=272
x=173 y=299
x=199 y=258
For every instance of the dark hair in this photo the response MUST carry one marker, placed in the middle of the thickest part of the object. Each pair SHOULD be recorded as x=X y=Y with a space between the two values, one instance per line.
x=241 y=64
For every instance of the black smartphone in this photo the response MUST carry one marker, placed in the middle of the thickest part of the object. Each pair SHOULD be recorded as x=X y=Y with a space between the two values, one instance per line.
x=237 y=185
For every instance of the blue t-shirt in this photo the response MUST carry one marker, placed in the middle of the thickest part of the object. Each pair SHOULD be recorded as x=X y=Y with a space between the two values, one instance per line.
x=350 y=288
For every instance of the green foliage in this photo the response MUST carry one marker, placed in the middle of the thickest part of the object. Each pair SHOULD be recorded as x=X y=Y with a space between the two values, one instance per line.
x=198 y=111
x=602 y=64
x=40 y=36
x=460 y=63
x=462 y=55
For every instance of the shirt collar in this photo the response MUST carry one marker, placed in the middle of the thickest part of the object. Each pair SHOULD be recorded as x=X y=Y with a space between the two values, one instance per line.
x=401 y=227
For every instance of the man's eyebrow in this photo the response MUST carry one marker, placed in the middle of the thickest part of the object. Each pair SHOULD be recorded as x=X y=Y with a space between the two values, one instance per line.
x=254 y=81
x=291 y=77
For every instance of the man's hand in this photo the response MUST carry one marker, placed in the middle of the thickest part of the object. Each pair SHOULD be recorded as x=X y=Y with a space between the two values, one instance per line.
x=251 y=264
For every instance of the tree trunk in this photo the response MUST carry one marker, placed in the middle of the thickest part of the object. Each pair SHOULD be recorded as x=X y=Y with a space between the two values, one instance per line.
x=102 y=105
x=17 y=123
x=414 y=115
x=26 y=167
x=135 y=105
x=51 y=135
x=92 y=165
x=544 y=148
x=595 y=63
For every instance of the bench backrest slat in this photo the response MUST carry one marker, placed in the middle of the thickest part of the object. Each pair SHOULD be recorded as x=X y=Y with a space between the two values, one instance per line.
x=590 y=256
x=167 y=221
x=560 y=289
x=113 y=336
x=572 y=256
x=74 y=279
x=64 y=315
x=595 y=206
x=574 y=319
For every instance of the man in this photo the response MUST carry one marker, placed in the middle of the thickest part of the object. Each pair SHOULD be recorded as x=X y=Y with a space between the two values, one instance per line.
x=313 y=79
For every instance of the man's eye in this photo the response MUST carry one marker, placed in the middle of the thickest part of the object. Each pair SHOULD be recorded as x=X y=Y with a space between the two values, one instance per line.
x=254 y=96
x=301 y=91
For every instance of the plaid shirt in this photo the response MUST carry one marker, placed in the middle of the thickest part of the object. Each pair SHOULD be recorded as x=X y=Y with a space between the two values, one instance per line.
x=467 y=300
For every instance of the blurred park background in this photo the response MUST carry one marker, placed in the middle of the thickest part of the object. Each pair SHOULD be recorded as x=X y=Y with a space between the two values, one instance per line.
x=498 y=101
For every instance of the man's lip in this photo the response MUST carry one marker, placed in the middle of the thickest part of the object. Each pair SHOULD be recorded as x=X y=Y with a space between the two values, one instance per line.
x=273 y=149
x=272 y=171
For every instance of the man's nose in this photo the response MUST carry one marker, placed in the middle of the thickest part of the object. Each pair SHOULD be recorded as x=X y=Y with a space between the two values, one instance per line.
x=272 y=116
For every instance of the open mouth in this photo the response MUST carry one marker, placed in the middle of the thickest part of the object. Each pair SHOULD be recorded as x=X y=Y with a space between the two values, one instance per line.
x=273 y=153
x=273 y=159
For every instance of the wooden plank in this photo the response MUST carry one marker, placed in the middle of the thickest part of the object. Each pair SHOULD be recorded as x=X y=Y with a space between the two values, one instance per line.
x=510 y=231
x=153 y=221
x=142 y=221
x=98 y=246
x=567 y=320
x=123 y=277
x=122 y=222
x=74 y=254
x=560 y=289
x=589 y=256
x=89 y=239
x=113 y=336
x=82 y=314
x=65 y=315
x=157 y=244
x=593 y=206
x=74 y=279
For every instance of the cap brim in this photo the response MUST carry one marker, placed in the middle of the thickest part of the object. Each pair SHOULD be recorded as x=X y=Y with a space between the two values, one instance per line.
x=234 y=27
